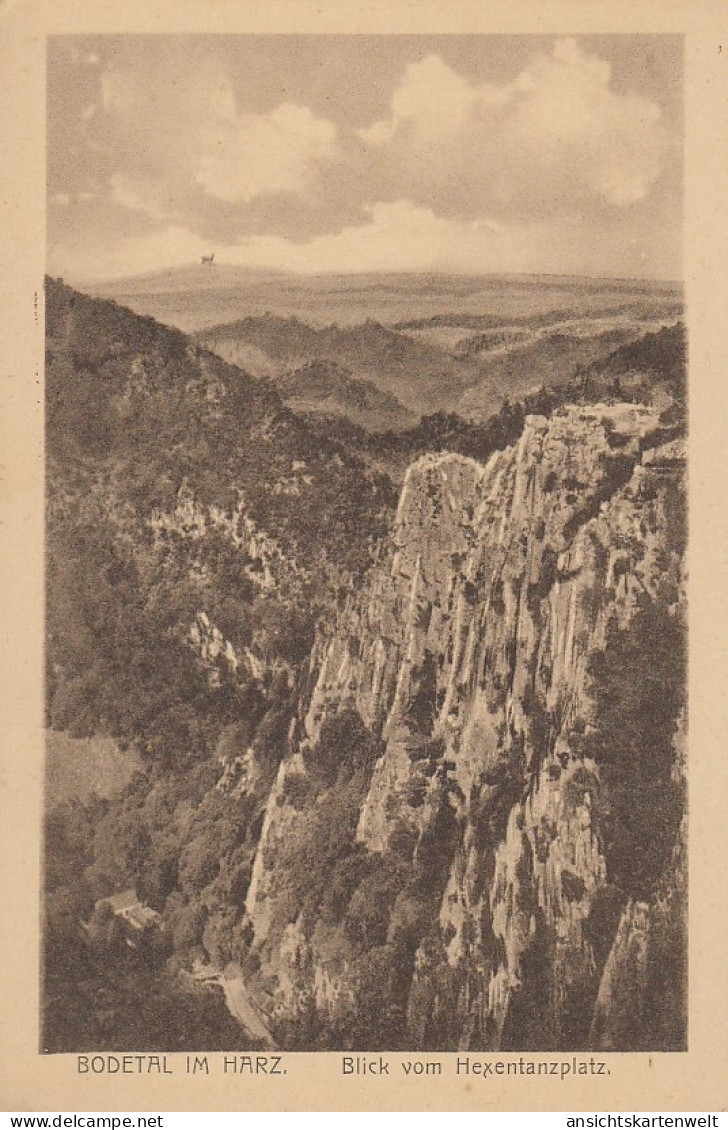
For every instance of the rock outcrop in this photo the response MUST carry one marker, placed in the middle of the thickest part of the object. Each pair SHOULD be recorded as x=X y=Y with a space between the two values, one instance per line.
x=469 y=659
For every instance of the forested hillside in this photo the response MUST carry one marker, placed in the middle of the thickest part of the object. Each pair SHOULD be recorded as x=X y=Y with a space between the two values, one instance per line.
x=183 y=488
x=196 y=532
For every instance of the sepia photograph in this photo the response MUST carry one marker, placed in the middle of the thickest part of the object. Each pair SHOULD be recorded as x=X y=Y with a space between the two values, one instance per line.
x=365 y=590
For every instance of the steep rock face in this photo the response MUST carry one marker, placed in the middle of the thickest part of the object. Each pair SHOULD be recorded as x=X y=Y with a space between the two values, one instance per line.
x=468 y=656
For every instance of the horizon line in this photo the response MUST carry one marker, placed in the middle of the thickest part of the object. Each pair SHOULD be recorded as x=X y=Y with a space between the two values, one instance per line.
x=415 y=272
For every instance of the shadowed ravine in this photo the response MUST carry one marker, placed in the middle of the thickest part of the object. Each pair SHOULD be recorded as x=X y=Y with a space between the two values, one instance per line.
x=406 y=711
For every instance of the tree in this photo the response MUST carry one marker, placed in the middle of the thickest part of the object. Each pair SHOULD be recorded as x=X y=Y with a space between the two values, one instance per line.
x=638 y=683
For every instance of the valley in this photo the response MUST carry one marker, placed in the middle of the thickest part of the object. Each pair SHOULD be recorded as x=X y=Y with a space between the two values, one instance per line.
x=433 y=343
x=357 y=572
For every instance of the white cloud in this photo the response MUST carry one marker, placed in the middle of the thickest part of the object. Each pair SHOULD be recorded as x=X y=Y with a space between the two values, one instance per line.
x=185 y=132
x=129 y=255
x=556 y=137
x=396 y=236
x=431 y=103
x=139 y=194
x=250 y=155
x=534 y=173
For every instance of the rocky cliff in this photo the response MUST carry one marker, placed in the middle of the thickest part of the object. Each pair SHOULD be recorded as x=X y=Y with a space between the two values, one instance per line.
x=500 y=788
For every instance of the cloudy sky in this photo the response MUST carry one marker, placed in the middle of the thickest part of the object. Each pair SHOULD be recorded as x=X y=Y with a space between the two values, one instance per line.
x=365 y=153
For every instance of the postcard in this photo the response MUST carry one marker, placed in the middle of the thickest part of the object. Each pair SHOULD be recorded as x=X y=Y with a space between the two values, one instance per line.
x=364 y=517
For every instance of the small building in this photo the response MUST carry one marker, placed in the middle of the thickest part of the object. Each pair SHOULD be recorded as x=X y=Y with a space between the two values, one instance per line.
x=127 y=906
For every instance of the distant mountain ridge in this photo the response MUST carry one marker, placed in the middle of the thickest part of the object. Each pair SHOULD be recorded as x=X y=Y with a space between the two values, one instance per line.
x=197 y=297
x=410 y=370
x=322 y=386
x=465 y=364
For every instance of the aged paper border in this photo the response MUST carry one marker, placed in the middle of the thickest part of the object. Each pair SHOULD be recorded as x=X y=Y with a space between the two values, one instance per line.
x=695 y=1080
